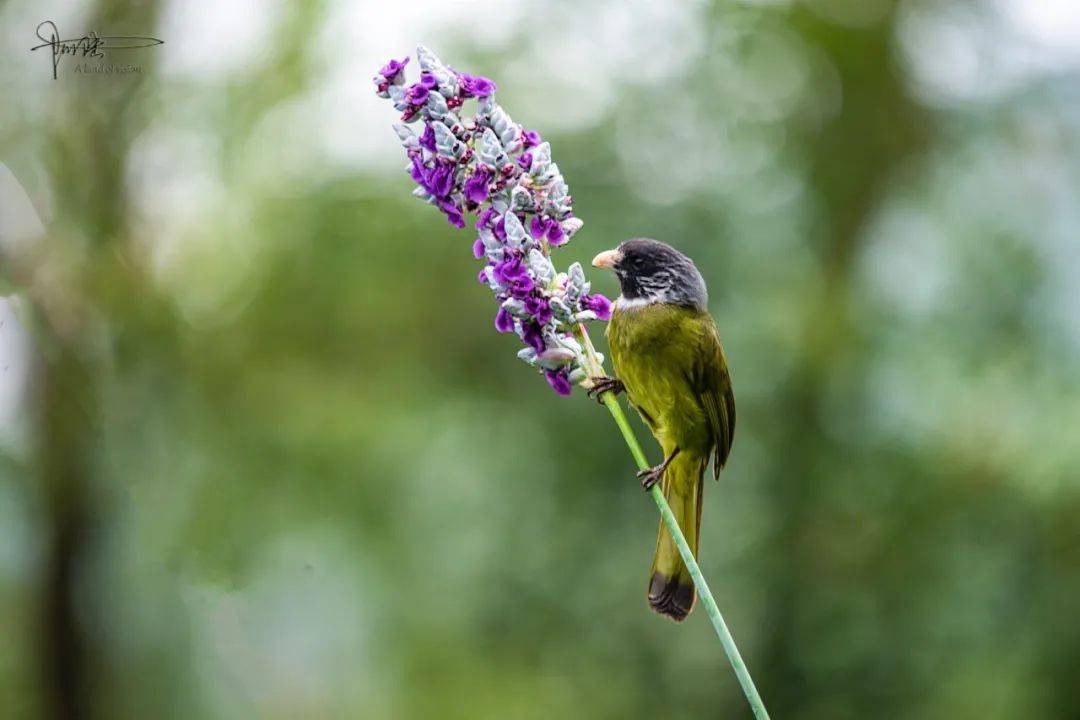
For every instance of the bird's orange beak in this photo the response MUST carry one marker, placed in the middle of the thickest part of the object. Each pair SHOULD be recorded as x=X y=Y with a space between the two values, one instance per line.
x=607 y=259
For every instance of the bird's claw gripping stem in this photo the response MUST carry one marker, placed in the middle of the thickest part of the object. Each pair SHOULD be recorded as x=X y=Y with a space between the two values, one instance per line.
x=650 y=476
x=653 y=475
x=602 y=385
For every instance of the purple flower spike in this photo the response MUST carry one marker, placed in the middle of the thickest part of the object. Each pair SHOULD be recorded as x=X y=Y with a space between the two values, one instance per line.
x=516 y=231
x=504 y=323
x=598 y=304
x=477 y=85
x=559 y=381
x=391 y=69
x=476 y=187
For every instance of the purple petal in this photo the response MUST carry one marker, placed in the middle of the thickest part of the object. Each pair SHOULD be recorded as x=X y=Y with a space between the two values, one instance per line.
x=485 y=218
x=477 y=85
x=478 y=249
x=520 y=288
x=510 y=270
x=555 y=234
x=440 y=180
x=392 y=68
x=427 y=140
x=515 y=276
x=417 y=94
x=533 y=336
x=504 y=322
x=525 y=161
x=598 y=304
x=538 y=226
x=453 y=213
x=558 y=381
x=418 y=172
x=530 y=139
x=428 y=80
x=476 y=187
x=539 y=309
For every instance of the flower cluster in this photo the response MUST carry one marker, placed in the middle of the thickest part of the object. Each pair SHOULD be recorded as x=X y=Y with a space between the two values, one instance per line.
x=502 y=173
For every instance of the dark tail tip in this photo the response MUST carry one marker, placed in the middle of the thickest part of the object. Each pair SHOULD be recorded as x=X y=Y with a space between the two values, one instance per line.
x=671 y=596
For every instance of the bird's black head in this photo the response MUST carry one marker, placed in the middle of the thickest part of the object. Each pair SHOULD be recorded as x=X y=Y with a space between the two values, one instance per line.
x=650 y=271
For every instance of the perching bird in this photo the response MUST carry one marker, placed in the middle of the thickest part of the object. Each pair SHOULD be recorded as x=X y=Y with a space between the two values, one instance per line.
x=667 y=357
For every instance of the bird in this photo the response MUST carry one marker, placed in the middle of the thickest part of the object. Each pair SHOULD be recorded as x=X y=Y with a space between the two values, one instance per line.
x=667 y=357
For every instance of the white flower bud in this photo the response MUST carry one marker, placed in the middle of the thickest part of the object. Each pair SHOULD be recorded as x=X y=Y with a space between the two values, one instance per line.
x=397 y=96
x=570 y=226
x=408 y=138
x=436 y=106
x=514 y=306
x=429 y=62
x=528 y=355
x=541 y=266
x=541 y=160
x=576 y=275
x=504 y=127
x=515 y=231
x=554 y=358
x=568 y=342
x=491 y=151
x=560 y=310
x=501 y=202
x=446 y=144
x=521 y=199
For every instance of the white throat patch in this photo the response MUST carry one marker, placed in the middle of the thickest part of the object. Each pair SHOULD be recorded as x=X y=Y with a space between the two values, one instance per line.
x=622 y=303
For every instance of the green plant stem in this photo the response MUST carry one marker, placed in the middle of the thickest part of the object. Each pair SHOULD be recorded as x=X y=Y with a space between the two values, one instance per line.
x=672 y=524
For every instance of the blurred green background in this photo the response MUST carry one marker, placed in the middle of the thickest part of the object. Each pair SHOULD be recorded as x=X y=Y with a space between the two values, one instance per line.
x=262 y=453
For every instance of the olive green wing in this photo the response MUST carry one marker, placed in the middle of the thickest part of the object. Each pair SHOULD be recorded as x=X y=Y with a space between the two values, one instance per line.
x=711 y=383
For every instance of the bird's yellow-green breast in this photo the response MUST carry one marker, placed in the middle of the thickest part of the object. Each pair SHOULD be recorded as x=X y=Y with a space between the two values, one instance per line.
x=666 y=355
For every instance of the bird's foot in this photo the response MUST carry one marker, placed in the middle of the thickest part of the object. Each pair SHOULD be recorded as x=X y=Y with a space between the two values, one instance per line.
x=653 y=475
x=603 y=384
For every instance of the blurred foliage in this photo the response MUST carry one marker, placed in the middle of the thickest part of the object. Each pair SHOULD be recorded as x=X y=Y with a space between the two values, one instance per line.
x=262 y=453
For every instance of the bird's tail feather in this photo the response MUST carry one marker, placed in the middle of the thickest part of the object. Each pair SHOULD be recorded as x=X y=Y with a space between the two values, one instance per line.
x=671 y=589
